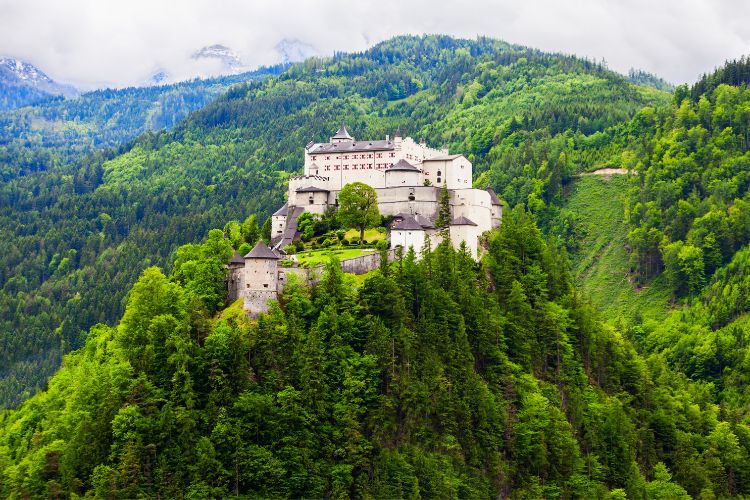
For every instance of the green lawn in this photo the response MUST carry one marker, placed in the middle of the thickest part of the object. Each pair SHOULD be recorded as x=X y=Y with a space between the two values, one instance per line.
x=370 y=234
x=601 y=267
x=315 y=257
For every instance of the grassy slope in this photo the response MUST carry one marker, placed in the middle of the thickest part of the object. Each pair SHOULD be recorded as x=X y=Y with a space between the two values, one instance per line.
x=601 y=263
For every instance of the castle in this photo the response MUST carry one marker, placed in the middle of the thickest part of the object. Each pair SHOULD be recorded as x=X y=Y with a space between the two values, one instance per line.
x=408 y=178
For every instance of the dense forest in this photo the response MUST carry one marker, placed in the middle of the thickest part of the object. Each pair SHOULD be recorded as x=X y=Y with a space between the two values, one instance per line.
x=74 y=236
x=58 y=131
x=436 y=377
x=433 y=376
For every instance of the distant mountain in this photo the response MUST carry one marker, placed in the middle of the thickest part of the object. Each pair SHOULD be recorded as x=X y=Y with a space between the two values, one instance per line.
x=292 y=50
x=22 y=84
x=229 y=60
x=161 y=77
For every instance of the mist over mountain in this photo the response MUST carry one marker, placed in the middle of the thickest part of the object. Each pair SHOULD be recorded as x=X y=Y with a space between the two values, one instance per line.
x=22 y=84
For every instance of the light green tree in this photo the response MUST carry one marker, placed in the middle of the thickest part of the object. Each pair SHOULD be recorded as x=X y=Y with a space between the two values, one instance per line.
x=358 y=207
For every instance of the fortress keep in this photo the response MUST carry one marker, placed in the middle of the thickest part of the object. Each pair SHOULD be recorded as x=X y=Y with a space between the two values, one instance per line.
x=408 y=178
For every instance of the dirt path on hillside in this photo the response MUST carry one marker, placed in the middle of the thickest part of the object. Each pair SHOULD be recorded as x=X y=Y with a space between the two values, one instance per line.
x=610 y=171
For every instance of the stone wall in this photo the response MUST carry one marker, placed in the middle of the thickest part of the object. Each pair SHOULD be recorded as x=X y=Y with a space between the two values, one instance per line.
x=364 y=263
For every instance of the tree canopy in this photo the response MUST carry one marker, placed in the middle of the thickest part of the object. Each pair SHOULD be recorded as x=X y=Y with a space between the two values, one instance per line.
x=358 y=207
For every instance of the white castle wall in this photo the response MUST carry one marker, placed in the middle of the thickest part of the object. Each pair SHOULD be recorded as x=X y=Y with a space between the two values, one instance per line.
x=367 y=166
x=399 y=178
x=456 y=172
x=475 y=205
x=469 y=234
x=278 y=223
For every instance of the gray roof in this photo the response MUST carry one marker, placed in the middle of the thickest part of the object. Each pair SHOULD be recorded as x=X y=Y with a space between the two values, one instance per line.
x=349 y=147
x=408 y=223
x=342 y=133
x=261 y=251
x=312 y=189
x=424 y=222
x=290 y=233
x=493 y=197
x=284 y=210
x=463 y=221
x=442 y=158
x=237 y=259
x=403 y=165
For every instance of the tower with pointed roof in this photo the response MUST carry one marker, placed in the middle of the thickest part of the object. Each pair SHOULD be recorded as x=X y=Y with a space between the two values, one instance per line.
x=258 y=282
x=342 y=135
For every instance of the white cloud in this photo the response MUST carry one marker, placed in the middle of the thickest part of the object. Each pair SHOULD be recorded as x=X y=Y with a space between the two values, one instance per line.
x=116 y=42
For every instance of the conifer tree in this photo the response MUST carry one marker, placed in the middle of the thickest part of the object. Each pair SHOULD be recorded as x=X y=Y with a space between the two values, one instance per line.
x=444 y=218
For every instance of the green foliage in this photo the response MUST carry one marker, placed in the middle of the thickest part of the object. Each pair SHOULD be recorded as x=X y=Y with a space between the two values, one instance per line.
x=358 y=208
x=345 y=390
x=687 y=209
x=528 y=123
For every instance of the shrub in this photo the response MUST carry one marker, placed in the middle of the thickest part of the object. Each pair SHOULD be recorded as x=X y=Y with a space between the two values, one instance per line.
x=354 y=240
x=344 y=241
x=382 y=245
x=299 y=245
x=244 y=249
x=286 y=263
x=290 y=249
x=341 y=235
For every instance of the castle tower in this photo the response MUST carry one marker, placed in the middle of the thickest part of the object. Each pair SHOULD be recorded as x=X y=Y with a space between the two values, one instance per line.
x=260 y=279
x=234 y=280
x=342 y=135
x=497 y=208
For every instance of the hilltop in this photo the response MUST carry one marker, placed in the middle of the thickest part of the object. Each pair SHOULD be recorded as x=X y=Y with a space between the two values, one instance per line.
x=523 y=118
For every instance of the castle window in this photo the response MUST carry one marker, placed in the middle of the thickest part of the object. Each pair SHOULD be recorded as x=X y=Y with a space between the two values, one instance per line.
x=439 y=174
x=438 y=179
x=248 y=285
x=311 y=200
x=265 y=285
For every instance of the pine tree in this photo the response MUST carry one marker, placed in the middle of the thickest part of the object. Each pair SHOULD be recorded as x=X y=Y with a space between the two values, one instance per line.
x=443 y=220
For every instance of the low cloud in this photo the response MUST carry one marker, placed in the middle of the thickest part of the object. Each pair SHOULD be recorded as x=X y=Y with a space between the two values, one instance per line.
x=119 y=43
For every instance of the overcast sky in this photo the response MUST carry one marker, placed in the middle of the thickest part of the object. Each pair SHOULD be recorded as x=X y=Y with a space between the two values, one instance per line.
x=123 y=42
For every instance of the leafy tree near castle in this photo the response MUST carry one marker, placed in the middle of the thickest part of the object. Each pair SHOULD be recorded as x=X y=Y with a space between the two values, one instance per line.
x=358 y=207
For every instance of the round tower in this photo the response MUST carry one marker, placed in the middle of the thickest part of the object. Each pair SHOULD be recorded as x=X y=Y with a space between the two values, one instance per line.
x=260 y=278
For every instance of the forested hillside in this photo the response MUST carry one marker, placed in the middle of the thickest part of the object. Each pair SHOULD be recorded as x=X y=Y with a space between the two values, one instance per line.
x=74 y=238
x=434 y=378
x=60 y=131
